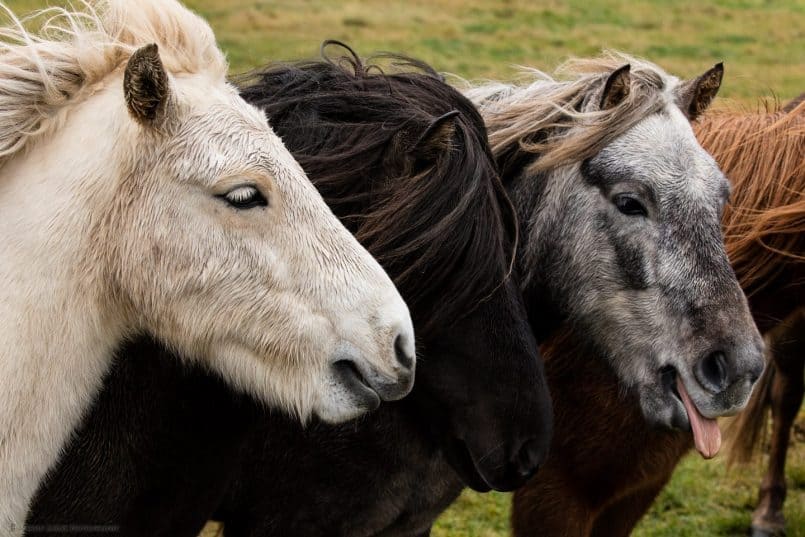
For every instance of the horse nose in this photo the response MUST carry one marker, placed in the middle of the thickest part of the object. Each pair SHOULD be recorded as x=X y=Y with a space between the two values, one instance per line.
x=720 y=369
x=712 y=372
x=394 y=386
x=757 y=365
x=529 y=457
x=404 y=349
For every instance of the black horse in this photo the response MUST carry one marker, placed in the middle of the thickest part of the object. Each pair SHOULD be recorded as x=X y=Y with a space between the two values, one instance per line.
x=404 y=161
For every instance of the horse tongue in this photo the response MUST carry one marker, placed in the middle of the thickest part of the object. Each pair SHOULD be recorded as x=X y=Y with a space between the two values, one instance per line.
x=706 y=434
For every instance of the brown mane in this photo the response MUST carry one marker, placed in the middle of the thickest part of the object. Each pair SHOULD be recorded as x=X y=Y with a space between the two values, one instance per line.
x=762 y=154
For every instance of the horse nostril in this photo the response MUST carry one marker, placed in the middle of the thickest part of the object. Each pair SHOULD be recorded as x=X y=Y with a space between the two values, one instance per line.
x=529 y=458
x=403 y=357
x=713 y=371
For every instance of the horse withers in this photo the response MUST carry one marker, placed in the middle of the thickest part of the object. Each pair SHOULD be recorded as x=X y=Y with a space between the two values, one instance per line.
x=139 y=192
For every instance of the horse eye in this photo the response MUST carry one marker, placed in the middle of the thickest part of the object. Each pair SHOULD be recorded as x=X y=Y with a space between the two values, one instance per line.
x=245 y=197
x=629 y=205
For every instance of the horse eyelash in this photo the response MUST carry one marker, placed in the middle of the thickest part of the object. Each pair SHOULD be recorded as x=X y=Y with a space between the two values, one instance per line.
x=242 y=193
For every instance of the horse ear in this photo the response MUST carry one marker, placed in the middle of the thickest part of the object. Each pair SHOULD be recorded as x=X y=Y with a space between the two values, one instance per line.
x=694 y=96
x=617 y=87
x=436 y=138
x=146 y=85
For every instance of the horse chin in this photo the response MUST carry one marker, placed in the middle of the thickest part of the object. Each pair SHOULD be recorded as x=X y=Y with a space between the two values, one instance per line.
x=347 y=396
x=475 y=476
x=462 y=461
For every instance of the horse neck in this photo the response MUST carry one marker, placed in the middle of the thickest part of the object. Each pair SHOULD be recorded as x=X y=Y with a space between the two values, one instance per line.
x=56 y=326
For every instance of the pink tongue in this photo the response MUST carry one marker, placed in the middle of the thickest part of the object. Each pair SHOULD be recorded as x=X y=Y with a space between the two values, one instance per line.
x=706 y=434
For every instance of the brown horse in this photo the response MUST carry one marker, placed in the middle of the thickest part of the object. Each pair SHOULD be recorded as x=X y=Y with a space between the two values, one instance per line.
x=767 y=249
x=607 y=464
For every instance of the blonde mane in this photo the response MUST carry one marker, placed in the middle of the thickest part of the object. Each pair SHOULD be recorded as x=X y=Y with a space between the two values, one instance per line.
x=44 y=69
x=764 y=224
x=547 y=116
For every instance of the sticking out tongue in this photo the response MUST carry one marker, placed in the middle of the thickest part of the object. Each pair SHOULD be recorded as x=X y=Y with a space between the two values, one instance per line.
x=706 y=434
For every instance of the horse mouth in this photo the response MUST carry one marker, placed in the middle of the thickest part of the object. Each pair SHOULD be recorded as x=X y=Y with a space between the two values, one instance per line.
x=350 y=377
x=462 y=461
x=687 y=417
x=668 y=380
x=460 y=457
x=668 y=376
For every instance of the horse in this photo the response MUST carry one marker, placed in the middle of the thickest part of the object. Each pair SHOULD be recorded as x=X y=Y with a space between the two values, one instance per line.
x=644 y=219
x=353 y=495
x=402 y=159
x=607 y=464
x=138 y=191
x=763 y=152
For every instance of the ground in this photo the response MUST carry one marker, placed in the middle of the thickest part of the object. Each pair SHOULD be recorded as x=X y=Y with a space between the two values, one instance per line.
x=703 y=499
x=762 y=43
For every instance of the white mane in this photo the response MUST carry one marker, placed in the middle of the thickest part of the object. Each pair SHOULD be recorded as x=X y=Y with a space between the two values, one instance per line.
x=539 y=113
x=43 y=70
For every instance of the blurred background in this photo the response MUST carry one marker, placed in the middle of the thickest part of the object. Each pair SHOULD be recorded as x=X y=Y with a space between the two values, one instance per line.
x=762 y=43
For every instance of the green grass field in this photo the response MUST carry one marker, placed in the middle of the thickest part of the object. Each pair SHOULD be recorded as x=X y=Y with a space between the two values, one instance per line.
x=702 y=500
x=762 y=43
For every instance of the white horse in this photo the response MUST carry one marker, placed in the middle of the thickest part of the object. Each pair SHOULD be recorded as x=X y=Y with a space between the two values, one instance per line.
x=139 y=193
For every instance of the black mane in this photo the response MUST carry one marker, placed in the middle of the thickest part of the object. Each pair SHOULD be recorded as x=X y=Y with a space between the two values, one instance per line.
x=416 y=224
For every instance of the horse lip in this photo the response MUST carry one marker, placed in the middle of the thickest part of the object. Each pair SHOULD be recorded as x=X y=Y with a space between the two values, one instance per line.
x=474 y=477
x=393 y=391
x=350 y=377
x=679 y=420
x=459 y=456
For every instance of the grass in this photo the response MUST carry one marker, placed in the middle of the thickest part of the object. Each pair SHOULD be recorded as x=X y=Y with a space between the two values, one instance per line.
x=702 y=499
x=760 y=41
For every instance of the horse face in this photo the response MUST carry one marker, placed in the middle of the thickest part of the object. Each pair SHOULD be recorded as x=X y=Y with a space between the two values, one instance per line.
x=646 y=274
x=228 y=254
x=482 y=385
x=485 y=394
